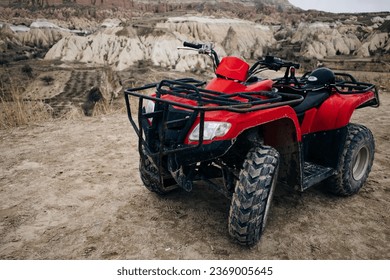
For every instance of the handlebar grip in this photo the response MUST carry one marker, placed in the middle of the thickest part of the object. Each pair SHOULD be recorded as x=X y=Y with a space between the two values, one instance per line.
x=296 y=65
x=191 y=45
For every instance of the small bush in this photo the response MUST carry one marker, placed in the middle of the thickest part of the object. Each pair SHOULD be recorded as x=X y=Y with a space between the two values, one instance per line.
x=4 y=62
x=27 y=70
x=47 y=79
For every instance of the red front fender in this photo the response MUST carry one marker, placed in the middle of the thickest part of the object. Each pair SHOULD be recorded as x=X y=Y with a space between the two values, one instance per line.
x=243 y=121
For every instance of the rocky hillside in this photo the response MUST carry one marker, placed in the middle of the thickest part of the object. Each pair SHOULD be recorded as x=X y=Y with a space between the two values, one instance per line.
x=100 y=9
x=154 y=5
x=133 y=3
x=124 y=44
x=79 y=45
x=122 y=38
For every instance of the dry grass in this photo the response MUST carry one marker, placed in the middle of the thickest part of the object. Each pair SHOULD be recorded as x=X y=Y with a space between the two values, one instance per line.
x=17 y=111
x=74 y=113
x=14 y=111
x=104 y=107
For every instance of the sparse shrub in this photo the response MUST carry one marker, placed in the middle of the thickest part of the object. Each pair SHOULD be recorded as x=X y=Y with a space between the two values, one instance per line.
x=27 y=70
x=4 y=61
x=94 y=95
x=47 y=79
x=124 y=32
x=101 y=108
x=144 y=30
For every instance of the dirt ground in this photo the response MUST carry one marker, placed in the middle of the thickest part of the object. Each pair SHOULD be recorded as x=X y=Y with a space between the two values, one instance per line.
x=70 y=189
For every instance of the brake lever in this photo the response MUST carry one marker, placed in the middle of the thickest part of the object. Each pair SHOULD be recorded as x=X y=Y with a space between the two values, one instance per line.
x=186 y=48
x=206 y=48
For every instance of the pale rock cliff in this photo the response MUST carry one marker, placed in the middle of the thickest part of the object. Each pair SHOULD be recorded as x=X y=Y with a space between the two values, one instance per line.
x=233 y=37
x=324 y=39
x=8 y=38
x=377 y=40
x=41 y=37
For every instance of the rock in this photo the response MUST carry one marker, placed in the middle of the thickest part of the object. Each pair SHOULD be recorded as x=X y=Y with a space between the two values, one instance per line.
x=231 y=36
x=41 y=37
x=376 y=41
x=321 y=39
x=122 y=41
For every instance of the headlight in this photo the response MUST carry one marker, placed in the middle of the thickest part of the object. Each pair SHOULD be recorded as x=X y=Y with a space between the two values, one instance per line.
x=211 y=130
x=149 y=108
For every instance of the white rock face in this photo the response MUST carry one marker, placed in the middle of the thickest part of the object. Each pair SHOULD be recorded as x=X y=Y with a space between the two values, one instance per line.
x=323 y=39
x=8 y=36
x=122 y=46
x=41 y=34
x=233 y=37
x=100 y=49
x=374 y=42
x=41 y=37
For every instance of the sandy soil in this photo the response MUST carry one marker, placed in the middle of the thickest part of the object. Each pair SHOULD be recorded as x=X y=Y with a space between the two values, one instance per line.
x=70 y=189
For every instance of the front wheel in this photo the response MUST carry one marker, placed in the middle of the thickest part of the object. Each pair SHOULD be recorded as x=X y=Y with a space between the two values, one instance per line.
x=355 y=162
x=254 y=190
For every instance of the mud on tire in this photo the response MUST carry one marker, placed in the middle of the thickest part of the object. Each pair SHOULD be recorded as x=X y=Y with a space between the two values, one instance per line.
x=253 y=194
x=355 y=162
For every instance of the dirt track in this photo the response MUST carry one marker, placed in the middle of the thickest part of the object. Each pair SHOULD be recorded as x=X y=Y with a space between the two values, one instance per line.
x=70 y=189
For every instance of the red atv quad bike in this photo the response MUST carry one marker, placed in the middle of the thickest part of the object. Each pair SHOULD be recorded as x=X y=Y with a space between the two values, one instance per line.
x=242 y=134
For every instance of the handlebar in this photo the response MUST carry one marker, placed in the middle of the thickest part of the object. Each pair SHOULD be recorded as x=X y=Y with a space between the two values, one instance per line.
x=275 y=63
x=269 y=62
x=191 y=45
x=204 y=49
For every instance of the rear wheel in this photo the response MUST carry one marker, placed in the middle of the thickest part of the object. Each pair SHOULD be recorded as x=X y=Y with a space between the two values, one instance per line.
x=151 y=178
x=254 y=190
x=355 y=162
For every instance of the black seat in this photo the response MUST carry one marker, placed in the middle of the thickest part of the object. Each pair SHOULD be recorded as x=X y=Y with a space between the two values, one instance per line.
x=312 y=99
x=317 y=89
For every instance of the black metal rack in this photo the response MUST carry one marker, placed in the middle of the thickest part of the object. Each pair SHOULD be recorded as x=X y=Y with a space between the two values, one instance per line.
x=345 y=84
x=208 y=100
x=349 y=85
x=200 y=101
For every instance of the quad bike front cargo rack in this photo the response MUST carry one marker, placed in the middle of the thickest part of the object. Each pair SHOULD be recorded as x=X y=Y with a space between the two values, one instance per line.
x=196 y=101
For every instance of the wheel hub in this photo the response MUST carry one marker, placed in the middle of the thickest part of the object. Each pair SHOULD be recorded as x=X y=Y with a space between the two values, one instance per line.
x=360 y=163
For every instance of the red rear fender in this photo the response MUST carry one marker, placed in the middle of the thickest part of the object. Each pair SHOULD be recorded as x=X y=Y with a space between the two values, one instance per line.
x=336 y=111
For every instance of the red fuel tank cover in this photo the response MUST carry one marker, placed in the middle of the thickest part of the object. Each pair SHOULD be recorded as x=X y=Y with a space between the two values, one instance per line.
x=233 y=68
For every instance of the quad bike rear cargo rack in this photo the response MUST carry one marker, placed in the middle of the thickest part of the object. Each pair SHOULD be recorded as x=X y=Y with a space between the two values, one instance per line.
x=345 y=84
x=349 y=85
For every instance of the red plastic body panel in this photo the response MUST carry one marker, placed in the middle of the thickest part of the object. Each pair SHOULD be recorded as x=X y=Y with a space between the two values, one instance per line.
x=241 y=121
x=225 y=86
x=265 y=85
x=229 y=86
x=233 y=68
x=334 y=113
x=244 y=121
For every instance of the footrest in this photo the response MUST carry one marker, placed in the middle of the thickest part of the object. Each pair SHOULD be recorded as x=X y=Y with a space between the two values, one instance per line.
x=314 y=173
